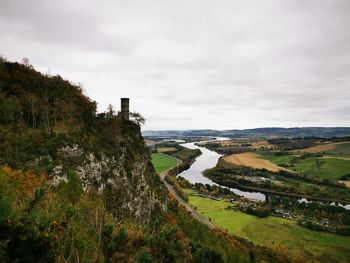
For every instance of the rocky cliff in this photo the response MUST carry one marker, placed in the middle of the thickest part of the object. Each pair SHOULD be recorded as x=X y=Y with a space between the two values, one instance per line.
x=48 y=124
x=125 y=178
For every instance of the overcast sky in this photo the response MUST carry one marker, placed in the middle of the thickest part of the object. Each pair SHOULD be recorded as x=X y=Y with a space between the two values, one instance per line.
x=190 y=64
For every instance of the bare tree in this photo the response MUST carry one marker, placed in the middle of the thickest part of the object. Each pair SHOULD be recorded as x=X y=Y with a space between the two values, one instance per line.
x=137 y=118
x=2 y=58
x=26 y=62
x=110 y=111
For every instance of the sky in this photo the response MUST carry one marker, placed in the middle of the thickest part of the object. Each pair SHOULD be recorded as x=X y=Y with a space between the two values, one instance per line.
x=199 y=64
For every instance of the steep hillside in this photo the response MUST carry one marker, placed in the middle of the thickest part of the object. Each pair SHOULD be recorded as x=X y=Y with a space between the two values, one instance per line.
x=55 y=147
x=48 y=124
x=77 y=186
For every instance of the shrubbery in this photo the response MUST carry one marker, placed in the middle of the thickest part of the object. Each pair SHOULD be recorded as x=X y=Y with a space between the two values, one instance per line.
x=173 y=181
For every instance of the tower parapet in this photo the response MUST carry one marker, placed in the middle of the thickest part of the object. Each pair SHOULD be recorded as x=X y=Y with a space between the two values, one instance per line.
x=124 y=102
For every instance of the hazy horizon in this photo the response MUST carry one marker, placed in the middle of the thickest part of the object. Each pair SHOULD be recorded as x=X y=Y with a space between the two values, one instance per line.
x=194 y=65
x=143 y=129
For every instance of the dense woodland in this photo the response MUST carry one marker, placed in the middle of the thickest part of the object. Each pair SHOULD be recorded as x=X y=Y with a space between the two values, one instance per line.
x=226 y=150
x=37 y=113
x=70 y=222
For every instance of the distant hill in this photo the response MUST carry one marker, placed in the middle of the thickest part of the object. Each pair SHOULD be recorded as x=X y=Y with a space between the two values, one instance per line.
x=322 y=132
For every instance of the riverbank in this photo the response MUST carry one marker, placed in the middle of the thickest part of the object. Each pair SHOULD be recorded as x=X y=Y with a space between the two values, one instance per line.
x=209 y=159
x=267 y=191
x=271 y=231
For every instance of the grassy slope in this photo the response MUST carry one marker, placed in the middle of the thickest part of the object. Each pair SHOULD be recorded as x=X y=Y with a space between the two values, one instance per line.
x=271 y=231
x=331 y=168
x=161 y=162
x=283 y=159
x=341 y=149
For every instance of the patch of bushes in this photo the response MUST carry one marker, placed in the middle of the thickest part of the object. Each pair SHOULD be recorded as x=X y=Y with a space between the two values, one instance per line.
x=173 y=181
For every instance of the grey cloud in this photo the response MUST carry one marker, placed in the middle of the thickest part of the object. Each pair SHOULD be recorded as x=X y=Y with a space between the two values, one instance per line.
x=195 y=64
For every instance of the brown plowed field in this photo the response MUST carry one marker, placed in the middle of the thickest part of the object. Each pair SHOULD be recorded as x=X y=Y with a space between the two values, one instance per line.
x=321 y=147
x=252 y=160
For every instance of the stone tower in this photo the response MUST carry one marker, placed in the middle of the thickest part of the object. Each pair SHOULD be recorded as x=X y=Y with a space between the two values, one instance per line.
x=124 y=108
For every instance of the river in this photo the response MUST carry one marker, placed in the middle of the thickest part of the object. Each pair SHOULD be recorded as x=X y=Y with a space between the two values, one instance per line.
x=208 y=159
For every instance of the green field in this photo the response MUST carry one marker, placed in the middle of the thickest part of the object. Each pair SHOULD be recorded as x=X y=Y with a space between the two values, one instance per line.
x=282 y=159
x=272 y=231
x=341 y=149
x=324 y=168
x=162 y=162
x=330 y=168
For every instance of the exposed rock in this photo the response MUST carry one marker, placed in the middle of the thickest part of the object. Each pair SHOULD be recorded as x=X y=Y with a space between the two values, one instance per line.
x=70 y=151
x=126 y=178
x=58 y=175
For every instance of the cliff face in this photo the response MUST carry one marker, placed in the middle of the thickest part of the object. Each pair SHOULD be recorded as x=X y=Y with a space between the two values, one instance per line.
x=125 y=178
x=48 y=124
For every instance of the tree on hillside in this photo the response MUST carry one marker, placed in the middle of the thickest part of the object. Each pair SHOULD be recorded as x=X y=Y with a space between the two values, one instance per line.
x=26 y=63
x=137 y=118
x=110 y=111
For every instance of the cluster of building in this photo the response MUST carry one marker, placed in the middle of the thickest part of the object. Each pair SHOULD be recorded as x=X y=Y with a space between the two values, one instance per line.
x=244 y=203
x=283 y=213
x=210 y=197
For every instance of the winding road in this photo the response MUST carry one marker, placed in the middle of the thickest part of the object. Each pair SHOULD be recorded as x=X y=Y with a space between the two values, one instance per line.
x=193 y=212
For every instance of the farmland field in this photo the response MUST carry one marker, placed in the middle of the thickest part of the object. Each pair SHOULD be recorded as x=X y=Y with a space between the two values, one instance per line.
x=252 y=160
x=318 y=148
x=162 y=162
x=281 y=159
x=166 y=149
x=329 y=168
x=341 y=149
x=336 y=148
x=272 y=231
x=326 y=168
x=261 y=144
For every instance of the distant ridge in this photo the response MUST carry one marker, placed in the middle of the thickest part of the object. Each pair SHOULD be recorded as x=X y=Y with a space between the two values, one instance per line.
x=269 y=132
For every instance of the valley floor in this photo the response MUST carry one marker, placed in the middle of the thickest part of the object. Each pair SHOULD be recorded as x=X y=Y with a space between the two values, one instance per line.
x=273 y=231
x=162 y=162
x=253 y=160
